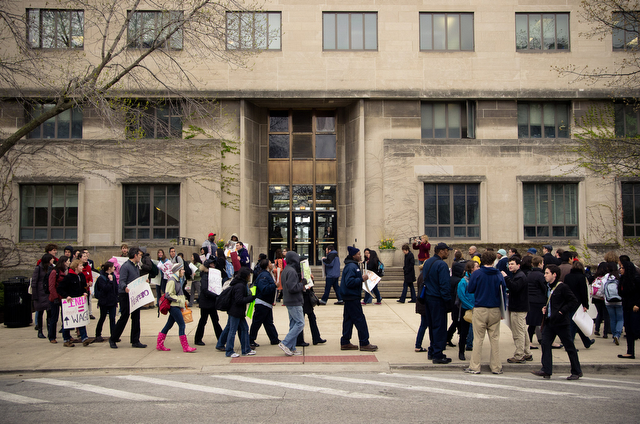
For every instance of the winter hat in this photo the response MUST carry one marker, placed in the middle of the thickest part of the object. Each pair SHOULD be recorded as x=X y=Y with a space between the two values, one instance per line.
x=69 y=248
x=352 y=250
x=502 y=252
x=177 y=267
x=533 y=251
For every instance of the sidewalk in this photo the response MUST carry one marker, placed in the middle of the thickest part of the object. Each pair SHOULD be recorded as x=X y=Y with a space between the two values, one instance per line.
x=392 y=326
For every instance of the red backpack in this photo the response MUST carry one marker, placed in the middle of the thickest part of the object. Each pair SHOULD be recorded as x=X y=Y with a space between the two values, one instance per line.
x=165 y=304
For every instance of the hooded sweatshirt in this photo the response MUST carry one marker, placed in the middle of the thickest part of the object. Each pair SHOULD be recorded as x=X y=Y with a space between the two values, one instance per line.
x=485 y=283
x=292 y=284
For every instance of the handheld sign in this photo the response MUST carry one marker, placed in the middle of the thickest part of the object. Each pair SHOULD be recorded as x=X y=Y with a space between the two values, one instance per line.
x=75 y=312
x=139 y=293
x=215 y=281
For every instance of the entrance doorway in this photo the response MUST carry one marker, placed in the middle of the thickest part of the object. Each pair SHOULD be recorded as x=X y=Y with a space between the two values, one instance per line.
x=302 y=182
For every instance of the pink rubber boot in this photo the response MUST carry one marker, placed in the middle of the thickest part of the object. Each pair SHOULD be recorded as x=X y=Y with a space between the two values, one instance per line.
x=160 y=343
x=185 y=345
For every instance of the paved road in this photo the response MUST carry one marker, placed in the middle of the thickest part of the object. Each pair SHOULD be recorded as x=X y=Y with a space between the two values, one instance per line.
x=311 y=398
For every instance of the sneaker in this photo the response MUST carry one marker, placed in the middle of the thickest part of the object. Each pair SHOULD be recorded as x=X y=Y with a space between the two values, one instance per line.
x=296 y=352
x=497 y=372
x=234 y=355
x=378 y=303
x=470 y=371
x=528 y=357
x=68 y=344
x=616 y=341
x=285 y=349
x=321 y=302
x=516 y=361
x=250 y=353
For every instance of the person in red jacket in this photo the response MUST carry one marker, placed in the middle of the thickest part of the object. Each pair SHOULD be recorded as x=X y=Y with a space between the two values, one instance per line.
x=55 y=301
x=86 y=270
x=423 y=246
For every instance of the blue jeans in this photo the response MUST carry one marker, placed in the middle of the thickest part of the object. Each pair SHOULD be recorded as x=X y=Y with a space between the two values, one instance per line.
x=470 y=337
x=296 y=325
x=616 y=319
x=437 y=321
x=421 y=330
x=331 y=282
x=369 y=299
x=175 y=315
x=222 y=340
x=238 y=325
x=66 y=334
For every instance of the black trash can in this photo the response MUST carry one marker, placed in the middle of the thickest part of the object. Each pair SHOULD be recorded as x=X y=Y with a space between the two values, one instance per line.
x=17 y=302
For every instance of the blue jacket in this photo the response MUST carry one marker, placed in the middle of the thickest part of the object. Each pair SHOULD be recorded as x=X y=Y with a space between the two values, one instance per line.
x=332 y=265
x=265 y=287
x=485 y=283
x=351 y=284
x=244 y=257
x=437 y=281
x=467 y=299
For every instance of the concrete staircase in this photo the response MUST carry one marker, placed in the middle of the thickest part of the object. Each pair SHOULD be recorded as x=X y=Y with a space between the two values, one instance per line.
x=390 y=286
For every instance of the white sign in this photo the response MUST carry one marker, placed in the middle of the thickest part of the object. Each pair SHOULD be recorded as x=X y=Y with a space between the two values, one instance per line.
x=215 y=281
x=139 y=293
x=371 y=282
x=306 y=270
x=165 y=269
x=75 y=312
x=158 y=278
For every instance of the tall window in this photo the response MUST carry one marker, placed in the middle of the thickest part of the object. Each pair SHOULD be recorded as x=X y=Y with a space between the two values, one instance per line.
x=55 y=28
x=550 y=210
x=153 y=28
x=67 y=124
x=302 y=134
x=151 y=211
x=543 y=120
x=627 y=118
x=543 y=32
x=350 y=31
x=446 y=31
x=254 y=31
x=452 y=210
x=48 y=212
x=626 y=30
x=448 y=120
x=631 y=209
x=162 y=120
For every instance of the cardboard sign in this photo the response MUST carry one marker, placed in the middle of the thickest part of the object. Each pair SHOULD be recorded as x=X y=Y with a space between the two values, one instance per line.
x=139 y=293
x=75 y=312
x=215 y=281
x=371 y=282
x=306 y=270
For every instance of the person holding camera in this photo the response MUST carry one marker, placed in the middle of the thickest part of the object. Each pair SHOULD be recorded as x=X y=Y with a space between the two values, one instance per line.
x=423 y=247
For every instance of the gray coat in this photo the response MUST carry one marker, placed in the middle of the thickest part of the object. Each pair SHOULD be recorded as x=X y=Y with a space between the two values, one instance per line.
x=292 y=285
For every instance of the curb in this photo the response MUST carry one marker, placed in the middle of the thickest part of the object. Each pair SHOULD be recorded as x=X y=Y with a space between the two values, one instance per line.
x=629 y=368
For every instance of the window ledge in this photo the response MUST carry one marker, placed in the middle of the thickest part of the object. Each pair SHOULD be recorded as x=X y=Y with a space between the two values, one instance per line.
x=548 y=179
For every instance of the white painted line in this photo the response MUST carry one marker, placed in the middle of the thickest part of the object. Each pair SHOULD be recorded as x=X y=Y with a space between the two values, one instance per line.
x=495 y=386
x=410 y=387
x=295 y=386
x=97 y=389
x=195 y=387
x=576 y=383
x=610 y=380
x=13 y=398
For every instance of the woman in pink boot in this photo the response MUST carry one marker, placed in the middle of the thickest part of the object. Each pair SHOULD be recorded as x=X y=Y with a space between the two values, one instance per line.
x=178 y=302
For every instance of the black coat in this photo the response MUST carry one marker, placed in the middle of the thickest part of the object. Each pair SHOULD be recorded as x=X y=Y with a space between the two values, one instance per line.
x=518 y=292
x=577 y=281
x=239 y=298
x=207 y=299
x=549 y=259
x=538 y=288
x=563 y=305
x=107 y=290
x=630 y=292
x=72 y=285
x=409 y=268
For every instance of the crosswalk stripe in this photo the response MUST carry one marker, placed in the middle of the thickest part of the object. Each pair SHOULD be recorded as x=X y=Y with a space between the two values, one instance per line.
x=97 y=389
x=579 y=383
x=295 y=386
x=495 y=386
x=13 y=398
x=610 y=380
x=410 y=387
x=189 y=386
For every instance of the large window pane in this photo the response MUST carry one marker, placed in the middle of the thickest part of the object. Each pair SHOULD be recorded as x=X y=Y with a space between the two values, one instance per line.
x=329 y=31
x=550 y=210
x=279 y=198
x=522 y=32
x=326 y=197
x=549 y=32
x=342 y=23
x=357 y=32
x=302 y=197
x=426 y=31
x=370 y=31
x=47 y=211
x=546 y=32
x=535 y=33
x=279 y=121
x=453 y=32
x=439 y=32
x=151 y=211
x=466 y=26
x=325 y=146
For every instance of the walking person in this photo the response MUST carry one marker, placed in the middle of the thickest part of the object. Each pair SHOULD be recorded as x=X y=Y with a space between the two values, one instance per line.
x=237 y=323
x=332 y=271
x=55 y=300
x=576 y=280
x=292 y=287
x=437 y=295
x=467 y=302
x=107 y=294
x=537 y=299
x=597 y=298
x=74 y=285
x=164 y=267
x=421 y=309
x=630 y=293
x=265 y=300
x=39 y=288
x=614 y=304
x=207 y=302
x=558 y=313
x=307 y=309
x=518 y=309
x=175 y=294
x=373 y=264
x=490 y=289
x=409 y=275
x=195 y=279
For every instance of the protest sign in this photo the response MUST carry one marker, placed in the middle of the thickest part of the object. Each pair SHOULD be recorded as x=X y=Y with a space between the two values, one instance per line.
x=157 y=280
x=215 y=281
x=371 y=282
x=139 y=293
x=306 y=270
x=75 y=312
x=252 y=305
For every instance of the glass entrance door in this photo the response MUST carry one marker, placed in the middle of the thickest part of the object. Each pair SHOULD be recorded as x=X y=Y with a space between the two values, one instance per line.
x=278 y=232
x=326 y=225
x=303 y=235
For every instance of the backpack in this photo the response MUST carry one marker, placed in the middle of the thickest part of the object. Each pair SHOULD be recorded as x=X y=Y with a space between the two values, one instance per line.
x=223 y=301
x=380 y=269
x=165 y=305
x=611 y=290
x=597 y=289
x=96 y=292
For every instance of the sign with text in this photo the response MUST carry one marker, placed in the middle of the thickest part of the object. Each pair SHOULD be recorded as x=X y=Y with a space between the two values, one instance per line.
x=306 y=270
x=371 y=282
x=215 y=281
x=139 y=293
x=75 y=312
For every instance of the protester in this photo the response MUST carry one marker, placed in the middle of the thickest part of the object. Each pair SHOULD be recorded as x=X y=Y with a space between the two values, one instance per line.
x=164 y=267
x=307 y=309
x=409 y=275
x=373 y=264
x=107 y=294
x=196 y=285
x=597 y=298
x=558 y=313
x=265 y=300
x=210 y=245
x=175 y=295
x=124 y=248
x=456 y=275
x=630 y=292
x=537 y=299
x=74 y=285
x=614 y=306
x=577 y=282
x=437 y=295
x=240 y=297
x=207 y=301
x=278 y=263
x=467 y=302
x=292 y=287
x=332 y=271
x=55 y=301
x=422 y=311
x=518 y=309
x=243 y=255
x=39 y=285
x=87 y=270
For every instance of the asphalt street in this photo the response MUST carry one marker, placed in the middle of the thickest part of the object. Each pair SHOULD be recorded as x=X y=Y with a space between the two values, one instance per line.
x=318 y=397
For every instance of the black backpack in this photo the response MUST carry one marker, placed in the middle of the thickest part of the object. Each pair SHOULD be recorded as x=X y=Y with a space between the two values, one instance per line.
x=223 y=301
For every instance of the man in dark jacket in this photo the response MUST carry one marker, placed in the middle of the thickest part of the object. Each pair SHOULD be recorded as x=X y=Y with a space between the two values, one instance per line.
x=292 y=287
x=558 y=313
x=129 y=271
x=265 y=299
x=488 y=286
x=409 y=272
x=207 y=303
x=549 y=259
x=456 y=276
x=437 y=295
x=350 y=289
x=518 y=309
x=332 y=271
x=537 y=298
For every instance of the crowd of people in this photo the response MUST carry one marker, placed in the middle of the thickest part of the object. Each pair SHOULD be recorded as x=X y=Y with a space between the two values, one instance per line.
x=535 y=294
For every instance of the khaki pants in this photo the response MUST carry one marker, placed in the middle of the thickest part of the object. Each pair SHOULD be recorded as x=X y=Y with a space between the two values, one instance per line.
x=486 y=320
x=520 y=336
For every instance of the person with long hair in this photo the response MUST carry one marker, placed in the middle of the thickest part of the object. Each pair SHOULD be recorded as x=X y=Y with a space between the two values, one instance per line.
x=614 y=307
x=165 y=273
x=558 y=312
x=38 y=292
x=278 y=267
x=196 y=284
x=107 y=289
x=630 y=293
x=55 y=301
x=577 y=282
x=373 y=264
x=175 y=294
x=597 y=298
x=74 y=285
x=467 y=301
x=207 y=301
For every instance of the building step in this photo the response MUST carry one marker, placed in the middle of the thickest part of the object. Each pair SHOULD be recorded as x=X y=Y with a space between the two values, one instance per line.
x=390 y=286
